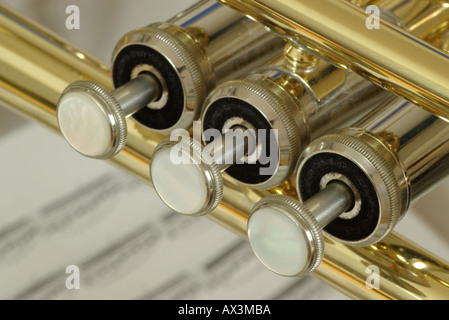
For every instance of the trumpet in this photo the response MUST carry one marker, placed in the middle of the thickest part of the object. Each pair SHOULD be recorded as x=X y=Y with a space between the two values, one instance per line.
x=372 y=99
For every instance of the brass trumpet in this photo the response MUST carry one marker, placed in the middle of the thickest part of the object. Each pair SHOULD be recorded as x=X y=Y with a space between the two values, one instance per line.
x=403 y=57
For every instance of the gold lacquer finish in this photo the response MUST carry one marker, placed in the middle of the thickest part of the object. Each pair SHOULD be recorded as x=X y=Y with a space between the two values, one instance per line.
x=336 y=30
x=35 y=67
x=407 y=272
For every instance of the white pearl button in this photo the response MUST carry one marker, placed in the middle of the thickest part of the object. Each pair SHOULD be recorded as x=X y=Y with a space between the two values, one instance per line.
x=182 y=187
x=278 y=242
x=84 y=124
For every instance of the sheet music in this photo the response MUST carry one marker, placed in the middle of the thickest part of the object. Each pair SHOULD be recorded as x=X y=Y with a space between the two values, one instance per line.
x=62 y=210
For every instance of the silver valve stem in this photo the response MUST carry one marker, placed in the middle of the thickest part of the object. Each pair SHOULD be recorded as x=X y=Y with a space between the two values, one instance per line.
x=187 y=176
x=93 y=120
x=286 y=235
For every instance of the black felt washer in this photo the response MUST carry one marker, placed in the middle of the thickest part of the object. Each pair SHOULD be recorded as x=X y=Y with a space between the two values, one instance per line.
x=135 y=55
x=222 y=110
x=364 y=224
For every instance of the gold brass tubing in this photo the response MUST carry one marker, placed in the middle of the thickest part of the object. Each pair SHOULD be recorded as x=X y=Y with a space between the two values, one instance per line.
x=423 y=18
x=407 y=271
x=336 y=30
x=35 y=66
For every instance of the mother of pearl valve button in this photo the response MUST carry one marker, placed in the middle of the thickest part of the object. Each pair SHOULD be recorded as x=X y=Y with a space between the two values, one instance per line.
x=181 y=187
x=278 y=241
x=86 y=128
x=187 y=179
x=93 y=120
x=286 y=235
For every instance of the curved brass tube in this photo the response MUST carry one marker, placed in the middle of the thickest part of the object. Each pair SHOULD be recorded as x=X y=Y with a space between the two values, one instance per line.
x=35 y=66
x=336 y=30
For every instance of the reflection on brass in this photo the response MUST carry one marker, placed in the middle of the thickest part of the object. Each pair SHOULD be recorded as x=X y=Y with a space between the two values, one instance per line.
x=390 y=139
x=35 y=67
x=335 y=30
x=406 y=271
x=298 y=60
x=200 y=36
